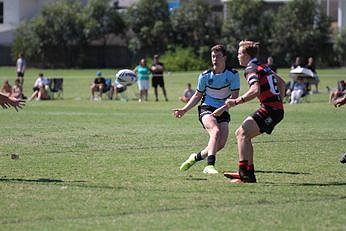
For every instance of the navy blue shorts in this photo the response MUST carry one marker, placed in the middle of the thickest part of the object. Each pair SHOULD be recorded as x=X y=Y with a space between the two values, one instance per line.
x=207 y=110
x=267 y=118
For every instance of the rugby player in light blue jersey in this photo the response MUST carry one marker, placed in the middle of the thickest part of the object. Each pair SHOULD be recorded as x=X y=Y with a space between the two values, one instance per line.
x=213 y=88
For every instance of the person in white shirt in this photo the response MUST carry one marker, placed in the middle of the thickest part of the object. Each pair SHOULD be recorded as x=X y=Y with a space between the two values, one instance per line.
x=116 y=89
x=20 y=68
x=39 y=89
x=298 y=91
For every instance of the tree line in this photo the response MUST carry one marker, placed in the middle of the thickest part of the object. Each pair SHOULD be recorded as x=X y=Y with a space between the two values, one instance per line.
x=65 y=30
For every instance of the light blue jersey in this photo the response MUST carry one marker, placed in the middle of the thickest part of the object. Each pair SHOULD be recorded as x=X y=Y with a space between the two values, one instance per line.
x=216 y=88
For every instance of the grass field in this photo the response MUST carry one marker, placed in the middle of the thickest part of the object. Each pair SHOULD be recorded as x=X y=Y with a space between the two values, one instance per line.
x=114 y=165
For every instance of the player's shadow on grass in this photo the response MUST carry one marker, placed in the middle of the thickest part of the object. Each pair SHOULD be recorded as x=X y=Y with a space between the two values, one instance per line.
x=298 y=140
x=75 y=183
x=195 y=178
x=39 y=180
x=284 y=172
x=320 y=184
x=303 y=184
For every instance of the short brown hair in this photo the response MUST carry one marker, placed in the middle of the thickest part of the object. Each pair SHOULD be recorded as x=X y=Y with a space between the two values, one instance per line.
x=251 y=47
x=219 y=48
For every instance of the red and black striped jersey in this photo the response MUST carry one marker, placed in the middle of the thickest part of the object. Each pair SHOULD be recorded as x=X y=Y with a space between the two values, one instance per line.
x=269 y=92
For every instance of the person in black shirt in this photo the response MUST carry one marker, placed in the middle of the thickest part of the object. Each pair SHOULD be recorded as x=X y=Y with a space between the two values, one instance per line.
x=157 y=70
x=98 y=85
x=312 y=67
x=271 y=65
x=297 y=63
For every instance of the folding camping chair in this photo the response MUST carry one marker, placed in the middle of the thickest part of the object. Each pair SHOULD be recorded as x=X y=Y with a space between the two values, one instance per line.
x=56 y=88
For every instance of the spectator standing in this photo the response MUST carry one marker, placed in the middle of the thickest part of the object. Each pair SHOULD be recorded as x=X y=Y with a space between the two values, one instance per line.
x=213 y=88
x=21 y=67
x=312 y=67
x=98 y=85
x=297 y=63
x=271 y=64
x=188 y=93
x=142 y=71
x=157 y=70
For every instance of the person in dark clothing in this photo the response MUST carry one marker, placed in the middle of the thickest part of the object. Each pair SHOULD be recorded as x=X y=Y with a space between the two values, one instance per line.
x=157 y=70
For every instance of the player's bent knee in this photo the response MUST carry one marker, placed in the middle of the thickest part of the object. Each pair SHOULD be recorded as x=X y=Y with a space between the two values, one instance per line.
x=237 y=132
x=240 y=133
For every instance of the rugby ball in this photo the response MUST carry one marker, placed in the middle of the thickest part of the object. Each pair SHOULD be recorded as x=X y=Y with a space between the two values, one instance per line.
x=126 y=77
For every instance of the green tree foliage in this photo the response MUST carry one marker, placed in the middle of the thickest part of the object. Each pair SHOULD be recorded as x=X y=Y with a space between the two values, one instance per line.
x=193 y=25
x=248 y=20
x=101 y=20
x=301 y=28
x=57 y=27
x=340 y=48
x=182 y=59
x=149 y=20
x=27 y=42
x=59 y=35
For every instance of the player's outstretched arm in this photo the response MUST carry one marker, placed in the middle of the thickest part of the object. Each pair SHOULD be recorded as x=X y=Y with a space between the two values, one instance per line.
x=6 y=102
x=252 y=93
x=180 y=112
x=230 y=102
x=220 y=110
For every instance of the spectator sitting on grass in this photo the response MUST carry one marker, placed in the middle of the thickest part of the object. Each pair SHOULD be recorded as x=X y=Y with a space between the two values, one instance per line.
x=340 y=101
x=188 y=93
x=116 y=88
x=9 y=101
x=40 y=88
x=6 y=88
x=17 y=90
x=98 y=85
x=339 y=92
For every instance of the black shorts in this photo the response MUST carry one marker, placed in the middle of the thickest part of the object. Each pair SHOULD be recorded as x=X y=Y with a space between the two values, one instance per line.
x=20 y=74
x=105 y=89
x=157 y=81
x=121 y=89
x=267 y=118
x=207 y=110
x=35 y=89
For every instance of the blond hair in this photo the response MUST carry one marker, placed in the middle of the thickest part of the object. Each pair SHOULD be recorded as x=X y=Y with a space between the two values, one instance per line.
x=250 y=47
